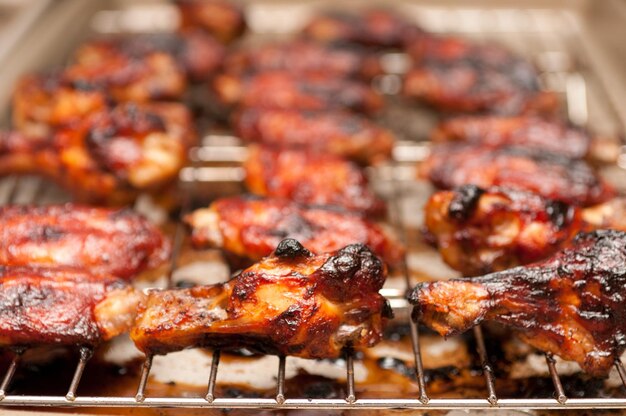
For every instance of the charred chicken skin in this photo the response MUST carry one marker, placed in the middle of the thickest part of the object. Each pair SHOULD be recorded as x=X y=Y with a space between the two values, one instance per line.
x=302 y=57
x=528 y=131
x=548 y=174
x=570 y=305
x=113 y=242
x=63 y=306
x=480 y=231
x=111 y=155
x=311 y=179
x=457 y=75
x=375 y=28
x=291 y=303
x=339 y=133
x=285 y=90
x=198 y=54
x=252 y=227
x=222 y=19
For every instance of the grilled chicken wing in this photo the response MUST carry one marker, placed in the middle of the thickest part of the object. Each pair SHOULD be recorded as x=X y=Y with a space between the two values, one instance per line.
x=570 y=305
x=311 y=179
x=526 y=131
x=63 y=306
x=548 y=174
x=484 y=230
x=335 y=132
x=198 y=54
x=291 y=303
x=252 y=227
x=222 y=19
x=284 y=90
x=120 y=243
x=111 y=155
x=374 y=27
x=457 y=75
x=302 y=57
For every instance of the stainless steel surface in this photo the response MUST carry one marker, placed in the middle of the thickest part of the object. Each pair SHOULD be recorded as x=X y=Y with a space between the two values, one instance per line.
x=553 y=37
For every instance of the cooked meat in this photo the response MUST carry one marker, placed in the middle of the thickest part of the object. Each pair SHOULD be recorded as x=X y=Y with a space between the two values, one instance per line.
x=374 y=27
x=111 y=155
x=42 y=103
x=63 y=306
x=570 y=305
x=120 y=243
x=480 y=231
x=457 y=75
x=222 y=19
x=524 y=131
x=335 y=132
x=310 y=178
x=548 y=174
x=302 y=57
x=252 y=227
x=198 y=53
x=291 y=303
x=284 y=90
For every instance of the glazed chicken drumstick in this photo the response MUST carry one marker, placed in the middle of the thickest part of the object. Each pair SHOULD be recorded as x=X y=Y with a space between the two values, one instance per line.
x=570 y=305
x=311 y=179
x=111 y=155
x=252 y=227
x=63 y=306
x=550 y=175
x=116 y=242
x=339 y=133
x=285 y=90
x=291 y=303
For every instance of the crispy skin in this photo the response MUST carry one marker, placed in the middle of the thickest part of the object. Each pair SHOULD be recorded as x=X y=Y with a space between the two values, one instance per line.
x=113 y=242
x=198 y=54
x=528 y=131
x=339 y=133
x=222 y=19
x=457 y=75
x=548 y=174
x=111 y=156
x=284 y=90
x=291 y=303
x=301 y=57
x=310 y=178
x=480 y=231
x=252 y=227
x=570 y=305
x=63 y=306
x=375 y=28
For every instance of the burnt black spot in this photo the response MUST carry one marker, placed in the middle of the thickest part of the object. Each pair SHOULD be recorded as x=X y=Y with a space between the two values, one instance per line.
x=290 y=248
x=559 y=212
x=464 y=202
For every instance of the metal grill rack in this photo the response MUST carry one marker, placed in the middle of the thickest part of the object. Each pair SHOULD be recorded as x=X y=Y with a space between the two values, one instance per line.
x=30 y=190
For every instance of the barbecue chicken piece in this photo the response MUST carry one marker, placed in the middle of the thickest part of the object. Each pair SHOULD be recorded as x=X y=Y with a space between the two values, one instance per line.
x=284 y=90
x=120 y=243
x=457 y=75
x=480 y=231
x=291 y=303
x=222 y=19
x=311 y=179
x=302 y=57
x=548 y=174
x=375 y=28
x=198 y=54
x=570 y=305
x=63 y=306
x=111 y=155
x=334 y=132
x=523 y=131
x=252 y=227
